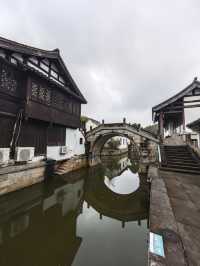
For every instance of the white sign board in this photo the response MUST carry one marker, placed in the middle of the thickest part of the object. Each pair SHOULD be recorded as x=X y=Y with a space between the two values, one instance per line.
x=156 y=244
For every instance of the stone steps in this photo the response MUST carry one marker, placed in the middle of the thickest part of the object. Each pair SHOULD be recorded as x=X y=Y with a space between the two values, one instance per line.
x=180 y=170
x=185 y=163
x=180 y=159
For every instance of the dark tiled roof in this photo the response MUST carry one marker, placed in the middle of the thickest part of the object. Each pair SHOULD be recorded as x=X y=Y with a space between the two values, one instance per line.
x=195 y=124
x=177 y=96
x=32 y=51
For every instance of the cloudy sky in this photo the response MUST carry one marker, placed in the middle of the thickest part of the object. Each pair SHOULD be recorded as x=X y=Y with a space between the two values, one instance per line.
x=125 y=55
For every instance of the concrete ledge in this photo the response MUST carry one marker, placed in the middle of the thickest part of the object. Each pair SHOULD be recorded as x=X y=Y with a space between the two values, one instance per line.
x=163 y=222
x=21 y=167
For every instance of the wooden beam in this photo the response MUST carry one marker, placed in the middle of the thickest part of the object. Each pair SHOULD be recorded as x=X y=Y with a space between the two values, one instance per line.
x=174 y=109
x=173 y=112
x=7 y=114
x=192 y=106
x=192 y=101
x=49 y=74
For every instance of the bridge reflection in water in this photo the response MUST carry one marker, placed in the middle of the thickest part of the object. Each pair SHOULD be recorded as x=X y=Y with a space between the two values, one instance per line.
x=76 y=220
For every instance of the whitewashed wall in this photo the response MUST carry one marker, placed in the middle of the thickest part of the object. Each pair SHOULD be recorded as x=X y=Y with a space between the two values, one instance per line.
x=191 y=114
x=73 y=146
x=73 y=141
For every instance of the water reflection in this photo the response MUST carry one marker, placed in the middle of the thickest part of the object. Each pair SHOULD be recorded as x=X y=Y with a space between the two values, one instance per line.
x=77 y=220
x=120 y=178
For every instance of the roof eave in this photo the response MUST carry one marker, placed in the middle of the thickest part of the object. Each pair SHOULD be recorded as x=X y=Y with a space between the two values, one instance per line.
x=177 y=96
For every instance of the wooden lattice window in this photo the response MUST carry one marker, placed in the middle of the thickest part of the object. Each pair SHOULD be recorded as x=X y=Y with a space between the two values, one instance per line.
x=34 y=90
x=48 y=96
x=55 y=99
x=40 y=93
x=8 y=82
x=58 y=100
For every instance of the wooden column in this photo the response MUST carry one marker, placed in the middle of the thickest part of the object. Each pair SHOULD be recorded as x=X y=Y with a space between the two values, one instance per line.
x=161 y=125
x=183 y=119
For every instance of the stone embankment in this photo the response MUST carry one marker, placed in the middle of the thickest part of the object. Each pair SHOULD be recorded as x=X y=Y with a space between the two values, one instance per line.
x=16 y=177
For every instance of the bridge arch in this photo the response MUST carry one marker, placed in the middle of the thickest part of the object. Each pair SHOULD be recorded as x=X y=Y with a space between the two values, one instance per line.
x=127 y=207
x=97 y=137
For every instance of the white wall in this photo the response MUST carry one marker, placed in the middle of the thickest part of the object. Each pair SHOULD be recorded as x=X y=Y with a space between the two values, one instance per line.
x=191 y=114
x=73 y=141
x=73 y=146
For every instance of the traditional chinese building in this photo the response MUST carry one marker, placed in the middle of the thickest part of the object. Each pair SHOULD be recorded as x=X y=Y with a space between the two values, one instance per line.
x=176 y=112
x=39 y=100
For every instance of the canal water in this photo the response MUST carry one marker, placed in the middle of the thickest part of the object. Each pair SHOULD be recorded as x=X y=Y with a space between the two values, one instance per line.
x=93 y=217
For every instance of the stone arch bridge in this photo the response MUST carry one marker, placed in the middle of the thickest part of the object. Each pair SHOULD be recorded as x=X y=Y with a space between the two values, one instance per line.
x=97 y=137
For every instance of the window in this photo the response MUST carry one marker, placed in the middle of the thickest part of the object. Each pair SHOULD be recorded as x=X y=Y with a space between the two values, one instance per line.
x=40 y=93
x=48 y=96
x=81 y=141
x=8 y=81
x=34 y=90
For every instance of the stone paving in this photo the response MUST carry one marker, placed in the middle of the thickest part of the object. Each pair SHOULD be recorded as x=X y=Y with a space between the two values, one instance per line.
x=175 y=214
x=184 y=195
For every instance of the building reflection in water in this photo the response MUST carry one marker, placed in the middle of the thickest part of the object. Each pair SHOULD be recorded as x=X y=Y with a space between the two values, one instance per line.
x=39 y=225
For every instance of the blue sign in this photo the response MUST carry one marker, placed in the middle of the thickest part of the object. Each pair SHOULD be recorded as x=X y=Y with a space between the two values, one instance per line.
x=156 y=244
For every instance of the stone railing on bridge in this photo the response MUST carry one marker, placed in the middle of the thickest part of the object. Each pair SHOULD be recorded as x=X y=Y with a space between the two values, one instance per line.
x=118 y=128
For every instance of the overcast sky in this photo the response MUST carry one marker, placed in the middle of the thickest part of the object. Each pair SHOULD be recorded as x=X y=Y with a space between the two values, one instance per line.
x=125 y=56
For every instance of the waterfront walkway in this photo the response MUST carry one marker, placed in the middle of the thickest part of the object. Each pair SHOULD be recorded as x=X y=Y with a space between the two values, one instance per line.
x=175 y=214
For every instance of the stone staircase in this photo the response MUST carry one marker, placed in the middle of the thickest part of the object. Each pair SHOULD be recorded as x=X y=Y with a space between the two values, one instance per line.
x=180 y=158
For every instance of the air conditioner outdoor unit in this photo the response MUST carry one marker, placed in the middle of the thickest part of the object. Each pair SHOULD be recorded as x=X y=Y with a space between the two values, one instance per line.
x=24 y=154
x=63 y=150
x=4 y=155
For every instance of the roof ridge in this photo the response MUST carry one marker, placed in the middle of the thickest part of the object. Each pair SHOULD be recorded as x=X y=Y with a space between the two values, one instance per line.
x=50 y=54
x=23 y=45
x=195 y=81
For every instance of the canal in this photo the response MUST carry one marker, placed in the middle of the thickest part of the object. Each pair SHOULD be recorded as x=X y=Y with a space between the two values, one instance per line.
x=96 y=216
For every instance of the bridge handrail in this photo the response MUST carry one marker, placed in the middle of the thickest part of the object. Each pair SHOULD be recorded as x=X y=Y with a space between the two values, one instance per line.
x=122 y=125
x=128 y=126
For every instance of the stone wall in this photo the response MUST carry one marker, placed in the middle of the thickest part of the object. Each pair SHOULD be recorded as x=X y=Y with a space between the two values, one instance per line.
x=19 y=176
x=16 y=177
